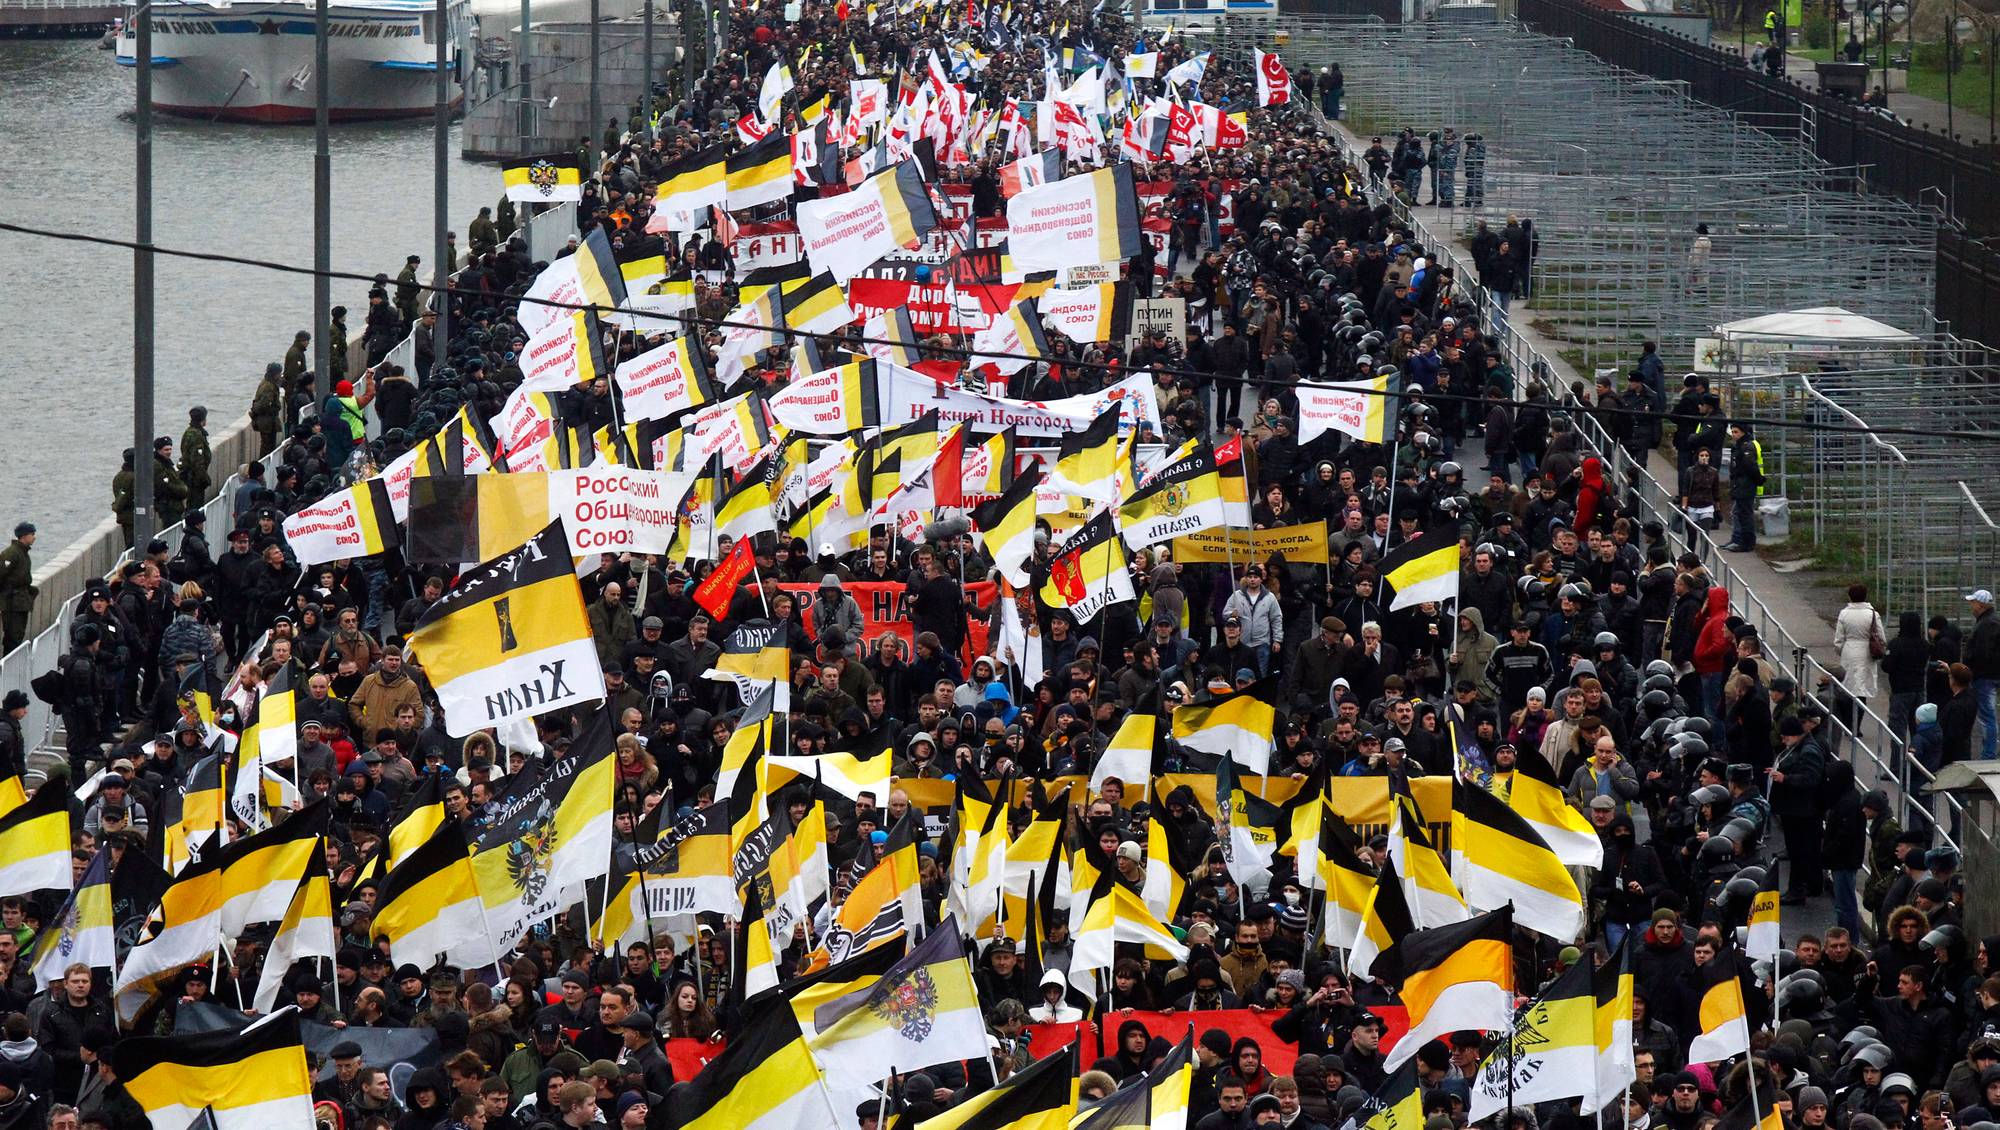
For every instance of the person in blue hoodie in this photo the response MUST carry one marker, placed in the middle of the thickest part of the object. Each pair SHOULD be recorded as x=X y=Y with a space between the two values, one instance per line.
x=1927 y=743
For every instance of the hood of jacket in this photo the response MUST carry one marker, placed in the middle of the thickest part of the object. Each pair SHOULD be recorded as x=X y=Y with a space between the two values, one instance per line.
x=1718 y=602
x=493 y=1018
x=434 y=1079
x=19 y=1051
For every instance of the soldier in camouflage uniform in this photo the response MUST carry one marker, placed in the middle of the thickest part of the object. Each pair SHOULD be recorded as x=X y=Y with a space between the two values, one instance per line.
x=196 y=458
x=1444 y=178
x=1475 y=170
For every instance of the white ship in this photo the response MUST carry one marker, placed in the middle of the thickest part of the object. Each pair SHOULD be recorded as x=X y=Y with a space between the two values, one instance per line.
x=253 y=62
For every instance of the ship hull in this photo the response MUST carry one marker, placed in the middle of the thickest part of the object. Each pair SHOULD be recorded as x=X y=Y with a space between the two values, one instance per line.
x=254 y=63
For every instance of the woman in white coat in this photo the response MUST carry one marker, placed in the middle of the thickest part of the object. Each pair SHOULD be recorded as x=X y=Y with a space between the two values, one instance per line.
x=1853 y=628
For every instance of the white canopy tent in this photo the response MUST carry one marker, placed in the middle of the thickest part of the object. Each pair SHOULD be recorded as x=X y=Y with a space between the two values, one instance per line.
x=1814 y=325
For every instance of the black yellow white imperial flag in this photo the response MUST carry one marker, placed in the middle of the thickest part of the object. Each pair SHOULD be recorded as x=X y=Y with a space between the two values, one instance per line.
x=511 y=640
x=1185 y=497
x=255 y=1079
x=1423 y=569
x=548 y=179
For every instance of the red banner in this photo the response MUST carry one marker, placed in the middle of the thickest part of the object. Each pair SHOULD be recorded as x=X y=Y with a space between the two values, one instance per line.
x=1279 y=1055
x=689 y=1056
x=1045 y=1038
x=930 y=303
x=885 y=607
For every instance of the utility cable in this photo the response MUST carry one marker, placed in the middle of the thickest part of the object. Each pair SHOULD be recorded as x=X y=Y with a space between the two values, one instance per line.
x=968 y=354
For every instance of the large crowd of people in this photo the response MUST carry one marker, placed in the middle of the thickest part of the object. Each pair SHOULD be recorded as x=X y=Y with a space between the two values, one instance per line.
x=1579 y=638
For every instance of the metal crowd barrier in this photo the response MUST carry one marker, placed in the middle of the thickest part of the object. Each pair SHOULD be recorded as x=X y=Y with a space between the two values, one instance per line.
x=1871 y=739
x=20 y=666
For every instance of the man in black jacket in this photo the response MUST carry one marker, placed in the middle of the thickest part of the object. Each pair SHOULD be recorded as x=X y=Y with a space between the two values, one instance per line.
x=641 y=1056
x=1230 y=356
x=84 y=684
x=1628 y=883
x=72 y=1012
x=1518 y=666
x=1746 y=486
x=1795 y=775
x=1917 y=1028
x=1982 y=655
x=1486 y=588
x=235 y=586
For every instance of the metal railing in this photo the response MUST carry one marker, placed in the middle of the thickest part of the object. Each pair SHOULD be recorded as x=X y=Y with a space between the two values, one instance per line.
x=1870 y=738
x=1895 y=515
x=40 y=653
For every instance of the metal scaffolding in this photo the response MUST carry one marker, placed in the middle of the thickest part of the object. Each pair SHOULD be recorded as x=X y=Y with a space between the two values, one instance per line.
x=1616 y=170
x=1910 y=512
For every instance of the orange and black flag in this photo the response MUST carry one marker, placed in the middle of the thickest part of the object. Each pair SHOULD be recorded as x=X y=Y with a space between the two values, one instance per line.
x=1723 y=1018
x=1759 y=1111
x=1455 y=977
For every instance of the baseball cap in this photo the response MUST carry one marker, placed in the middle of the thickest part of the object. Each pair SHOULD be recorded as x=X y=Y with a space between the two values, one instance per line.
x=1983 y=596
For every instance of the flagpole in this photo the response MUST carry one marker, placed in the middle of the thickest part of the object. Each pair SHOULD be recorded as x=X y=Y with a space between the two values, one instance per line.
x=1395 y=452
x=1750 y=1064
x=882 y=1106
x=695 y=948
x=966 y=957
x=758 y=577
x=618 y=332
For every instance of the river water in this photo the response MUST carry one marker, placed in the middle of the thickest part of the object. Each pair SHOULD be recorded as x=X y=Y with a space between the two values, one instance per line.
x=66 y=156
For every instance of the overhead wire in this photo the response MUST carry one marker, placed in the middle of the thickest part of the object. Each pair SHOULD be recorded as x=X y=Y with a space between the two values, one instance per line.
x=969 y=354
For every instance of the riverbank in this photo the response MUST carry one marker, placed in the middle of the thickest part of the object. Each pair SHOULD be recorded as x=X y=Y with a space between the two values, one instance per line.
x=225 y=188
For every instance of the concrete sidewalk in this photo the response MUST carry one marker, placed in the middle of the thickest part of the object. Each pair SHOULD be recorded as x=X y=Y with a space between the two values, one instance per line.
x=1972 y=125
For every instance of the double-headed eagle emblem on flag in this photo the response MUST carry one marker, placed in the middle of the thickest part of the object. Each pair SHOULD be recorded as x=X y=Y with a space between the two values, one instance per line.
x=910 y=1006
x=544 y=175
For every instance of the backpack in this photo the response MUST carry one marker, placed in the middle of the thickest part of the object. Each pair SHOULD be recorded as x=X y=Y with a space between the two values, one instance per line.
x=48 y=686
